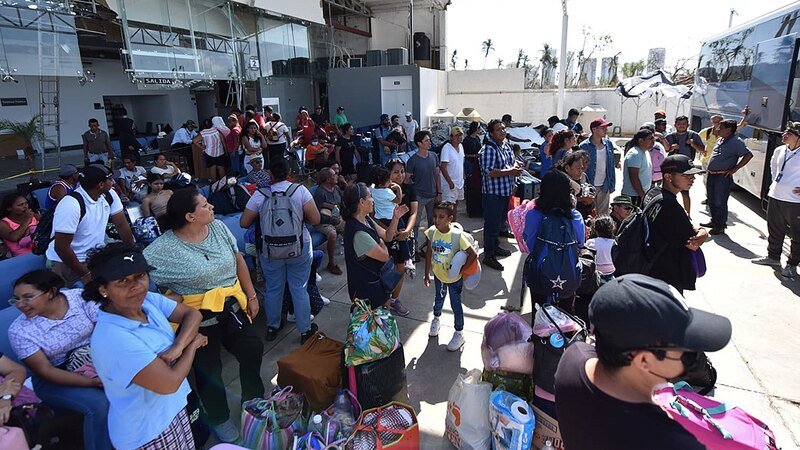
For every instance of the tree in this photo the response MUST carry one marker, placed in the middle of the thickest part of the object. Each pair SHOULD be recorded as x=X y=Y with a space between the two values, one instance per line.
x=454 y=60
x=591 y=44
x=548 y=61
x=487 y=46
x=633 y=69
x=500 y=63
x=683 y=72
x=520 y=56
x=614 y=69
x=27 y=132
x=466 y=64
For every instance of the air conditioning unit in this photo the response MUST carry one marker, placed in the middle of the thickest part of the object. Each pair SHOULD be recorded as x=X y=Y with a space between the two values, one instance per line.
x=397 y=56
x=355 y=62
x=376 y=58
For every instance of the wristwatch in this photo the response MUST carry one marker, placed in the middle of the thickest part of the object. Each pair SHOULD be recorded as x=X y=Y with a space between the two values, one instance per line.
x=8 y=397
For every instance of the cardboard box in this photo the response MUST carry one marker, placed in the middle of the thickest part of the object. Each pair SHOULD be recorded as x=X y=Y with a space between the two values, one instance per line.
x=546 y=430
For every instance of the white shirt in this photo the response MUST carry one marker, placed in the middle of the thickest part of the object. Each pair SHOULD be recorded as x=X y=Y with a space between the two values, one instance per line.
x=455 y=165
x=280 y=128
x=600 y=168
x=131 y=176
x=410 y=128
x=300 y=197
x=603 y=258
x=786 y=163
x=183 y=136
x=89 y=232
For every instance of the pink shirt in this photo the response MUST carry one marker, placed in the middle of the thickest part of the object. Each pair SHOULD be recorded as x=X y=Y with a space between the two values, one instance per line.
x=232 y=143
x=657 y=155
x=24 y=245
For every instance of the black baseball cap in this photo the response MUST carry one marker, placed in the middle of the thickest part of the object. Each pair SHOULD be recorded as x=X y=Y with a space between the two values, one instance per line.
x=93 y=174
x=635 y=311
x=680 y=164
x=122 y=265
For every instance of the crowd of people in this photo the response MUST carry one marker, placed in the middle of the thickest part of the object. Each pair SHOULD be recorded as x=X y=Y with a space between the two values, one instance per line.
x=97 y=298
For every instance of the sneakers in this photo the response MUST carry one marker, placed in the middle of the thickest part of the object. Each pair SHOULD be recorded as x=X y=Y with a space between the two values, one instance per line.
x=227 y=431
x=500 y=251
x=708 y=225
x=318 y=277
x=411 y=269
x=434 y=327
x=272 y=333
x=766 y=261
x=716 y=231
x=789 y=271
x=492 y=263
x=291 y=318
x=325 y=300
x=304 y=336
x=398 y=308
x=456 y=342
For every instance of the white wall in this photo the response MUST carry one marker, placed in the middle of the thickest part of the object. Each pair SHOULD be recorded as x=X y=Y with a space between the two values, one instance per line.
x=432 y=93
x=494 y=80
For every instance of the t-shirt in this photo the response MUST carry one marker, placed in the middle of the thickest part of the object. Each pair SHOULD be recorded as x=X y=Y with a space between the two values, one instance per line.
x=167 y=172
x=212 y=139
x=443 y=252
x=410 y=128
x=97 y=143
x=455 y=165
x=422 y=172
x=363 y=243
x=339 y=120
x=232 y=140
x=785 y=164
x=682 y=139
x=600 y=167
x=301 y=196
x=136 y=415
x=55 y=338
x=726 y=154
x=657 y=156
x=347 y=150
x=280 y=128
x=605 y=265
x=637 y=158
x=409 y=197
x=194 y=267
x=183 y=136
x=590 y=419
x=132 y=175
x=89 y=232
x=384 y=202
x=710 y=143
x=322 y=195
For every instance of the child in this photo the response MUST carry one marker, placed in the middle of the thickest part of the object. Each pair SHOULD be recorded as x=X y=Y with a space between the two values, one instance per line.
x=440 y=236
x=387 y=196
x=604 y=229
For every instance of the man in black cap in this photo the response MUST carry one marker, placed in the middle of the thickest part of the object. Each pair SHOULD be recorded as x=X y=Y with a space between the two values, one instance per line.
x=506 y=119
x=79 y=223
x=673 y=238
x=646 y=335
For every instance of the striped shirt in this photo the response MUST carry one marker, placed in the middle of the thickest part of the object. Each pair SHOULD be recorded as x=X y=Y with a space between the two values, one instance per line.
x=494 y=156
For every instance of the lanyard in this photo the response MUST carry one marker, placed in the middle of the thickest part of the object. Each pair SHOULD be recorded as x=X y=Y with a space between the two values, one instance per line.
x=786 y=159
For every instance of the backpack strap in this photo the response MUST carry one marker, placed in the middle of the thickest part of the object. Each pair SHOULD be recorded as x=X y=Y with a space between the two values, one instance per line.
x=293 y=187
x=81 y=203
x=265 y=192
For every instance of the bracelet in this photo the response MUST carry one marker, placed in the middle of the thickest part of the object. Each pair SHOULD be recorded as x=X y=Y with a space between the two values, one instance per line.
x=252 y=297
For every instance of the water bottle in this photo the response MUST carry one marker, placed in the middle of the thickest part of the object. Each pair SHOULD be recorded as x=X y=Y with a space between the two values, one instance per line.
x=343 y=415
x=316 y=425
x=335 y=212
x=548 y=445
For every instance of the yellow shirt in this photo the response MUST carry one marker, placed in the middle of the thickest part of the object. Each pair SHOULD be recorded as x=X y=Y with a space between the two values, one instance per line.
x=442 y=256
x=710 y=142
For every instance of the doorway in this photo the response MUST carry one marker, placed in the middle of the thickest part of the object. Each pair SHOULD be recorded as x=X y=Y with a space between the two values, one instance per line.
x=396 y=95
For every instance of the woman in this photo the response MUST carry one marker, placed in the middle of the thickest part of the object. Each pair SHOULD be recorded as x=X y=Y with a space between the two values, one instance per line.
x=55 y=324
x=365 y=251
x=66 y=182
x=172 y=175
x=544 y=148
x=212 y=141
x=143 y=368
x=574 y=166
x=345 y=151
x=155 y=202
x=397 y=174
x=253 y=143
x=472 y=171
x=637 y=168
x=555 y=199
x=278 y=137
x=17 y=224
x=197 y=258
x=562 y=144
x=295 y=269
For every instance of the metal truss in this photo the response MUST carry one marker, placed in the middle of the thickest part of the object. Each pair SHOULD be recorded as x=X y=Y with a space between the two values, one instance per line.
x=353 y=6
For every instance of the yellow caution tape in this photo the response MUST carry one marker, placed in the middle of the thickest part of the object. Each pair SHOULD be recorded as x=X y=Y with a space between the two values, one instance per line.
x=27 y=173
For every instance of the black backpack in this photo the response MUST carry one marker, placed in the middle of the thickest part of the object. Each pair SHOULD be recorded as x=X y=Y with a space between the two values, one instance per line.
x=633 y=250
x=44 y=229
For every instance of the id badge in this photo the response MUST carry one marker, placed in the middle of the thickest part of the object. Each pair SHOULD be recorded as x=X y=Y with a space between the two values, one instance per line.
x=778 y=178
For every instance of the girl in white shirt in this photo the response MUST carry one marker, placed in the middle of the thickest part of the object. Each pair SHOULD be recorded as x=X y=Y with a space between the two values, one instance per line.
x=604 y=228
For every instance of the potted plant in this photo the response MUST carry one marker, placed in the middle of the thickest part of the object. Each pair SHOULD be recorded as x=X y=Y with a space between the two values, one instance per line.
x=28 y=133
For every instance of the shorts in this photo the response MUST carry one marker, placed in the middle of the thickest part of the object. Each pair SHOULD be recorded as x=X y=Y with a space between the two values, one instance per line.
x=327 y=228
x=221 y=160
x=453 y=195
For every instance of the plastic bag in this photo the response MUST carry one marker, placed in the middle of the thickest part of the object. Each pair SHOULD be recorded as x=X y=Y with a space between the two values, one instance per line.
x=505 y=344
x=544 y=327
x=511 y=420
x=467 y=422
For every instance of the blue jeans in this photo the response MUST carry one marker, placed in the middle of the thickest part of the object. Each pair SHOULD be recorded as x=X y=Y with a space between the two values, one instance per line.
x=89 y=401
x=296 y=271
x=495 y=208
x=455 y=300
x=718 y=189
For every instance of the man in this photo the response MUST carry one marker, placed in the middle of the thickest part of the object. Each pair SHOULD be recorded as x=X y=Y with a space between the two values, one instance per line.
x=411 y=127
x=96 y=144
x=572 y=121
x=600 y=171
x=710 y=136
x=182 y=143
x=340 y=119
x=684 y=141
x=452 y=169
x=500 y=171
x=386 y=150
x=328 y=198
x=729 y=155
x=673 y=238
x=75 y=236
x=132 y=179
x=423 y=168
x=317 y=117
x=552 y=121
x=658 y=152
x=662 y=115
x=507 y=124
x=783 y=209
x=646 y=335
x=621 y=208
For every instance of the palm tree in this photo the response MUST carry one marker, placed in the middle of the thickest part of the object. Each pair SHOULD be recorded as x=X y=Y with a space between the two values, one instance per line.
x=548 y=61
x=520 y=55
x=487 y=46
x=500 y=63
x=453 y=60
x=27 y=132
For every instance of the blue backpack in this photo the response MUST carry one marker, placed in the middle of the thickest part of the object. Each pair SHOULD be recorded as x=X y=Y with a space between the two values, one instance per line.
x=552 y=267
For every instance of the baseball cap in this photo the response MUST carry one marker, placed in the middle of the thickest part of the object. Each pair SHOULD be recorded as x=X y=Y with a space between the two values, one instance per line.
x=409 y=114
x=341 y=108
x=636 y=311
x=660 y=121
x=507 y=117
x=660 y=112
x=622 y=200
x=122 y=265
x=93 y=174
x=679 y=164
x=649 y=125
x=384 y=117
x=67 y=171
x=301 y=109
x=456 y=130
x=599 y=123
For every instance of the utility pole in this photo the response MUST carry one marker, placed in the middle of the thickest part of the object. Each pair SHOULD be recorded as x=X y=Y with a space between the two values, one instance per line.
x=730 y=19
x=562 y=61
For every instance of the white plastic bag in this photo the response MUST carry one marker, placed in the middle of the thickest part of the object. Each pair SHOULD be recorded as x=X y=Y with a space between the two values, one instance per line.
x=467 y=423
x=543 y=326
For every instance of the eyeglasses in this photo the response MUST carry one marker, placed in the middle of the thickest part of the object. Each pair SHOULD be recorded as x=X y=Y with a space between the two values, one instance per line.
x=14 y=301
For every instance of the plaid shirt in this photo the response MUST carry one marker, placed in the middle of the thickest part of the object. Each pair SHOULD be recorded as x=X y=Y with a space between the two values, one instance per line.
x=494 y=156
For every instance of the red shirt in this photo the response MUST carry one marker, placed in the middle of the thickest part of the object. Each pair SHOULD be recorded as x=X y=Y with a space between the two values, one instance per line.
x=232 y=139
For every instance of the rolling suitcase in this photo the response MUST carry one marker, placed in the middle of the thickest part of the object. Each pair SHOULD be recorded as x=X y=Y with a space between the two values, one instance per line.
x=314 y=369
x=375 y=383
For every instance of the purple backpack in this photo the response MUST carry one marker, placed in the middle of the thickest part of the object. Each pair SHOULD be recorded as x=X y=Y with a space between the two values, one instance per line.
x=716 y=425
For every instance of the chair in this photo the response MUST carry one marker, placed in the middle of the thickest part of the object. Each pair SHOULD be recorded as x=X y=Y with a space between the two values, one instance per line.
x=14 y=268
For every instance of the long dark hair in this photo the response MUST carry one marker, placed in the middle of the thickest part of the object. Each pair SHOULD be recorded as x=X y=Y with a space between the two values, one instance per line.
x=8 y=202
x=182 y=202
x=555 y=195
x=641 y=134
x=351 y=197
x=558 y=141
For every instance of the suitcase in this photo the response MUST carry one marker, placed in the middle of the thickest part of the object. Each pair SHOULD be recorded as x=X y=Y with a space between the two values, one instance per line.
x=315 y=369
x=375 y=383
x=13 y=438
